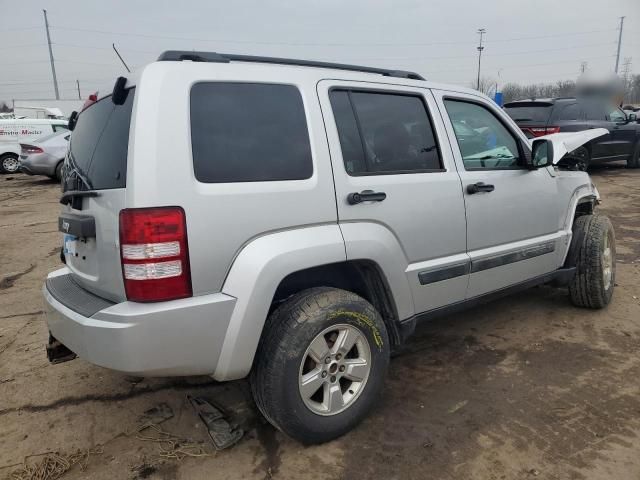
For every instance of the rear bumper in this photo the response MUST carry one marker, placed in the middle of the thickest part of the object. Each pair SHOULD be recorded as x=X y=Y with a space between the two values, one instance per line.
x=38 y=164
x=176 y=338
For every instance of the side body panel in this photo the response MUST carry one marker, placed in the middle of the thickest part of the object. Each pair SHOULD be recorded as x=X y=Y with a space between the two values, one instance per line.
x=253 y=279
x=512 y=232
x=418 y=228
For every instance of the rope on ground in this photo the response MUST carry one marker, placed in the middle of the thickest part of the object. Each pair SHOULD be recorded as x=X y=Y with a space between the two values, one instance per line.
x=170 y=445
x=54 y=465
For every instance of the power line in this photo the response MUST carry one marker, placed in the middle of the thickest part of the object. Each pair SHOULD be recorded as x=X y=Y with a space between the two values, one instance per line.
x=306 y=44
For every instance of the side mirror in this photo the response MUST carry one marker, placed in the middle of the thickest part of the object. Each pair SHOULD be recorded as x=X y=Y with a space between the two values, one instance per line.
x=632 y=117
x=541 y=153
x=73 y=119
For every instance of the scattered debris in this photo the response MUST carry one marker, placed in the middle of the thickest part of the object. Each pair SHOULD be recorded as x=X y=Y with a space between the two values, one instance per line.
x=534 y=472
x=458 y=406
x=220 y=430
x=170 y=445
x=54 y=465
x=8 y=280
x=156 y=415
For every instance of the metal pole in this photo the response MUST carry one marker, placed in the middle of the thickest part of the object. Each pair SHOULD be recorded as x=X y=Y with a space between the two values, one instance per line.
x=619 y=43
x=120 y=57
x=481 y=31
x=78 y=85
x=53 y=66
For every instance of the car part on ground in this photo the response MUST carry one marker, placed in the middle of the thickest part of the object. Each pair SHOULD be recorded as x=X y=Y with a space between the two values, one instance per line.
x=222 y=433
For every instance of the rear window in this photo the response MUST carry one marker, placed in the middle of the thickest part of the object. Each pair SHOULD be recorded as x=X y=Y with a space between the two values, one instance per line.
x=529 y=112
x=98 y=146
x=249 y=132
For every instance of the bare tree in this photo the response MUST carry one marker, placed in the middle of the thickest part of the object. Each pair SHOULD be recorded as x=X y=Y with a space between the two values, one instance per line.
x=487 y=86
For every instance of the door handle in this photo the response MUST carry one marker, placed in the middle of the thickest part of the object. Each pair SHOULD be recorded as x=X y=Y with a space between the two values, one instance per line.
x=479 y=187
x=365 y=196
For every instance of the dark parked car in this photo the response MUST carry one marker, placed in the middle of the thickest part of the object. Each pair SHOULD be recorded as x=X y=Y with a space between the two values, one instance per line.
x=537 y=117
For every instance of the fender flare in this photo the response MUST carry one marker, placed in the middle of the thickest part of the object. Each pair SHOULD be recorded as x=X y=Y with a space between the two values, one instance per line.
x=585 y=193
x=253 y=279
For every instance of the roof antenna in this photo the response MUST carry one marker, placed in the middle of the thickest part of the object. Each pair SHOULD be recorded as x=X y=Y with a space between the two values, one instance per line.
x=120 y=57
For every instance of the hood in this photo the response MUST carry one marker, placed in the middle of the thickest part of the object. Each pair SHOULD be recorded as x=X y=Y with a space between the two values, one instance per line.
x=566 y=142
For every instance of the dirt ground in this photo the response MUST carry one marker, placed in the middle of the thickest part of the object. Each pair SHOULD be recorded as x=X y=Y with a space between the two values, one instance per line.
x=523 y=387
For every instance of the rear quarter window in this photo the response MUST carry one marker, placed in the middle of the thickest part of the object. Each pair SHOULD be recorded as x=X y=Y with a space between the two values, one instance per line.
x=249 y=132
x=529 y=112
x=99 y=144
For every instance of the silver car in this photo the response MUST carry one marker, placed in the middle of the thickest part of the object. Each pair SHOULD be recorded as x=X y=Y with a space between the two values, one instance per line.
x=292 y=221
x=45 y=156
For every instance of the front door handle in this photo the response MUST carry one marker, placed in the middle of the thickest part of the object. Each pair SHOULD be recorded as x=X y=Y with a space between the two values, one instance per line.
x=479 y=187
x=365 y=196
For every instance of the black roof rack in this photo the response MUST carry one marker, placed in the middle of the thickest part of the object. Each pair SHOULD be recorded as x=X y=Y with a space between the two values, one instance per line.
x=179 y=55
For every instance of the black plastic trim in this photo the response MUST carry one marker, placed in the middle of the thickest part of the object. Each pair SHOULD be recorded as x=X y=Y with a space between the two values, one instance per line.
x=77 y=225
x=558 y=277
x=66 y=291
x=213 y=57
x=446 y=273
x=513 y=257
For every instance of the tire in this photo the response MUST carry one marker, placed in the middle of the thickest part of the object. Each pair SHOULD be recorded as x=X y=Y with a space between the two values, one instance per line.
x=9 y=163
x=634 y=159
x=285 y=358
x=58 y=173
x=593 y=248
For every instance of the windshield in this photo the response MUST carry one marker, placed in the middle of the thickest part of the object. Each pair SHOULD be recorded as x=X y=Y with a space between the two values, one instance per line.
x=98 y=148
x=529 y=112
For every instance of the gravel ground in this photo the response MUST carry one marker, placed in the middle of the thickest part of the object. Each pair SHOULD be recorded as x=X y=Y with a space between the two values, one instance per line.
x=523 y=387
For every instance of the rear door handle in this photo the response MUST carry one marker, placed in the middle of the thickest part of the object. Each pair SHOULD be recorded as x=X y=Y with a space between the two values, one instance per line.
x=365 y=196
x=479 y=187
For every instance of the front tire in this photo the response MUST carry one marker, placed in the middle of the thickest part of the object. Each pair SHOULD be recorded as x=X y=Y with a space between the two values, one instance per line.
x=321 y=364
x=634 y=159
x=594 y=248
x=58 y=172
x=9 y=163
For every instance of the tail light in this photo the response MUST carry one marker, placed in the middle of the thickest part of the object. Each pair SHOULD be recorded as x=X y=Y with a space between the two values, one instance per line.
x=540 y=131
x=154 y=254
x=29 y=149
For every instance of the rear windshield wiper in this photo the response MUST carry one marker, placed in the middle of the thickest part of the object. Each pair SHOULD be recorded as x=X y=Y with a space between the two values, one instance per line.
x=67 y=197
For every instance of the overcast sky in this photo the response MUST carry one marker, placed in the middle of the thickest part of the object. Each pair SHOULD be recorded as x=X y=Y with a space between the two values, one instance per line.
x=527 y=41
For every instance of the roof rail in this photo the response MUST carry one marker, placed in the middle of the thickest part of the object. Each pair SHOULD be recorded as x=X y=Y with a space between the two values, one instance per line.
x=179 y=55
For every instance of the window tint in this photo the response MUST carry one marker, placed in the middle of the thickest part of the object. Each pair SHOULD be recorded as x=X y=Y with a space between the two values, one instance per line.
x=249 y=132
x=98 y=146
x=384 y=133
x=483 y=140
x=572 y=111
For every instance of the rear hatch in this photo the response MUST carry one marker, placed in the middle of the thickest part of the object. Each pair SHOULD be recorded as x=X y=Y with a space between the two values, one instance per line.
x=531 y=116
x=94 y=183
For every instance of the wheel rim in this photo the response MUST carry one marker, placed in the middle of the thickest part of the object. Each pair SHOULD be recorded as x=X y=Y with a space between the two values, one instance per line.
x=607 y=263
x=334 y=369
x=10 y=164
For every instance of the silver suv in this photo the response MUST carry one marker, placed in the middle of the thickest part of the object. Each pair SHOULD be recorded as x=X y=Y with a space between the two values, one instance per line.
x=292 y=221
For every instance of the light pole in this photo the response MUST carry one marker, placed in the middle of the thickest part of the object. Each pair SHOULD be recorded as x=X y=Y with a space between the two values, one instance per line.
x=481 y=31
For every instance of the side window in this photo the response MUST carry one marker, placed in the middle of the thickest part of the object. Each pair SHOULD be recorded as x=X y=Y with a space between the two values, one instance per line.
x=483 y=140
x=595 y=112
x=384 y=133
x=60 y=128
x=572 y=111
x=249 y=132
x=616 y=115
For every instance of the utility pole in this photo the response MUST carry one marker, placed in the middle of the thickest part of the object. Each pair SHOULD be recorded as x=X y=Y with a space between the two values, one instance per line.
x=583 y=67
x=619 y=43
x=78 y=85
x=626 y=71
x=53 y=65
x=481 y=31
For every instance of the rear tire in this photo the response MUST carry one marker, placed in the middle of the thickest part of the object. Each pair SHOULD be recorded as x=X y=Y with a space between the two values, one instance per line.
x=634 y=159
x=9 y=163
x=304 y=379
x=58 y=172
x=594 y=248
